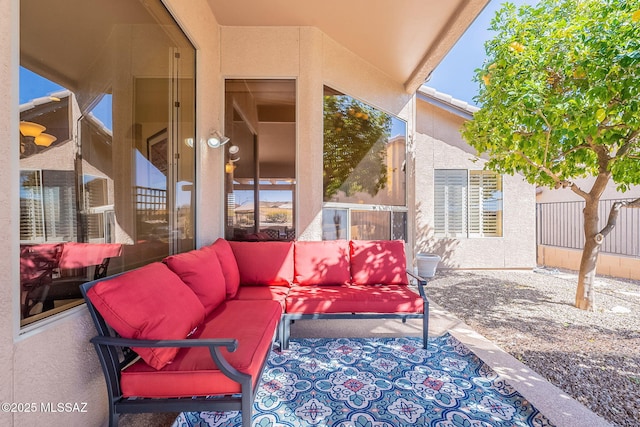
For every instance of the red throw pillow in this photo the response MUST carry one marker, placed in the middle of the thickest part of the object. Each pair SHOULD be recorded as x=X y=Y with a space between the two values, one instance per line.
x=264 y=263
x=322 y=263
x=201 y=271
x=378 y=262
x=229 y=266
x=148 y=303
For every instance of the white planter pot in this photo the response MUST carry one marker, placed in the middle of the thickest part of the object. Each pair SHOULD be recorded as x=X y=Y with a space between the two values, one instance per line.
x=427 y=264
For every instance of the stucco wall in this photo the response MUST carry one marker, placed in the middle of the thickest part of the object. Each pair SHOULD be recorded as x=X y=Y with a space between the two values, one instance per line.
x=54 y=362
x=8 y=198
x=612 y=265
x=439 y=145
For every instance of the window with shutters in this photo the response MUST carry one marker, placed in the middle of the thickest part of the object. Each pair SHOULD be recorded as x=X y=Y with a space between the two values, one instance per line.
x=467 y=203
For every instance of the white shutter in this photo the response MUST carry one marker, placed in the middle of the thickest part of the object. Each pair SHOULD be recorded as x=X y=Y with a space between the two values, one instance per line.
x=450 y=210
x=485 y=204
x=31 y=211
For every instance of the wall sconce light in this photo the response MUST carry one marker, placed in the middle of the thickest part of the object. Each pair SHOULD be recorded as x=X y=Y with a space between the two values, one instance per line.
x=234 y=156
x=234 y=153
x=188 y=142
x=216 y=139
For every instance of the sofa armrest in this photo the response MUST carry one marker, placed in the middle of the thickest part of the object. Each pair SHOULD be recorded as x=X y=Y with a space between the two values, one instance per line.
x=214 y=345
x=422 y=282
x=231 y=344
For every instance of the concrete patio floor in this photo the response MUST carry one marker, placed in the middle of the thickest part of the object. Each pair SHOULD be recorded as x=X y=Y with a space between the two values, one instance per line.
x=556 y=405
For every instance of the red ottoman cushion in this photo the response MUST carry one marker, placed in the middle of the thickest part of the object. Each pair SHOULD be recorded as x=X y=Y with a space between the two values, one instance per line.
x=354 y=299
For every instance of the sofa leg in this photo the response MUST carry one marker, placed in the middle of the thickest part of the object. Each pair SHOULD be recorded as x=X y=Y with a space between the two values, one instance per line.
x=425 y=324
x=246 y=417
x=286 y=330
x=114 y=417
x=283 y=339
x=246 y=410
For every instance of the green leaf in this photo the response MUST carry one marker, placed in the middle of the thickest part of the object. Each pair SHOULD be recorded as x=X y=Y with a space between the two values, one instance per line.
x=559 y=71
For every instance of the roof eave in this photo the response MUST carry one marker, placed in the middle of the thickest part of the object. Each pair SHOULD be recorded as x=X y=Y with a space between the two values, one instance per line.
x=455 y=28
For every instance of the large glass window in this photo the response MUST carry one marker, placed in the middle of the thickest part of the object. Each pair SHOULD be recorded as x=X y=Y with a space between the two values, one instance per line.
x=107 y=181
x=364 y=171
x=467 y=203
x=260 y=164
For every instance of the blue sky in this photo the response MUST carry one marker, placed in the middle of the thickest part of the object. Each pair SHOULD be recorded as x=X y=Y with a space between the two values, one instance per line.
x=454 y=75
x=34 y=86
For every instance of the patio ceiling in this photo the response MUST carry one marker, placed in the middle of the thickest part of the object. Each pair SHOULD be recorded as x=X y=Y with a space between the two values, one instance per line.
x=406 y=39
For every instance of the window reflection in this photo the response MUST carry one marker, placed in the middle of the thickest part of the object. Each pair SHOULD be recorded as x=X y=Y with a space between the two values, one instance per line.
x=364 y=161
x=112 y=188
x=334 y=224
x=370 y=225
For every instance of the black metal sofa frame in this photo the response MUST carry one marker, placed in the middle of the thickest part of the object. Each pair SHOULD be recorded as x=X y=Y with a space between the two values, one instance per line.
x=115 y=354
x=288 y=318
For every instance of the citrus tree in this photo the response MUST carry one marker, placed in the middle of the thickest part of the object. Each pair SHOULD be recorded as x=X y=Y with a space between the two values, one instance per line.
x=560 y=100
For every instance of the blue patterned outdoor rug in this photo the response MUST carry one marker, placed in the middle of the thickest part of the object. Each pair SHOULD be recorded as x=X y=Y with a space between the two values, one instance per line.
x=384 y=382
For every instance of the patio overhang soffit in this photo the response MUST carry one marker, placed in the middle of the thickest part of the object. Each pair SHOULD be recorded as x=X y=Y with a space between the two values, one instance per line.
x=405 y=39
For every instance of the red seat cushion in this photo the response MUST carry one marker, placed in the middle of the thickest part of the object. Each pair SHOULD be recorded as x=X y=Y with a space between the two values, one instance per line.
x=272 y=293
x=193 y=373
x=228 y=264
x=378 y=262
x=264 y=263
x=201 y=271
x=354 y=299
x=148 y=303
x=322 y=262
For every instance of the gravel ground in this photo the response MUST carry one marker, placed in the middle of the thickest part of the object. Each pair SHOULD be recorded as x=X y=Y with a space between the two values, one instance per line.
x=592 y=356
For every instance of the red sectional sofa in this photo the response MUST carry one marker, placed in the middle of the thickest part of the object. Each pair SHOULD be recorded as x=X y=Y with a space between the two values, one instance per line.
x=203 y=322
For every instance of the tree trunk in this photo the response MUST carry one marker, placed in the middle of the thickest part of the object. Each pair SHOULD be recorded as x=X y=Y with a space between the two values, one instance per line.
x=585 y=296
x=585 y=293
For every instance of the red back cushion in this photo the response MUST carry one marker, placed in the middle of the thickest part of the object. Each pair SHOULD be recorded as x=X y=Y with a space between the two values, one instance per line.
x=229 y=266
x=378 y=262
x=78 y=255
x=264 y=263
x=201 y=271
x=148 y=303
x=322 y=263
